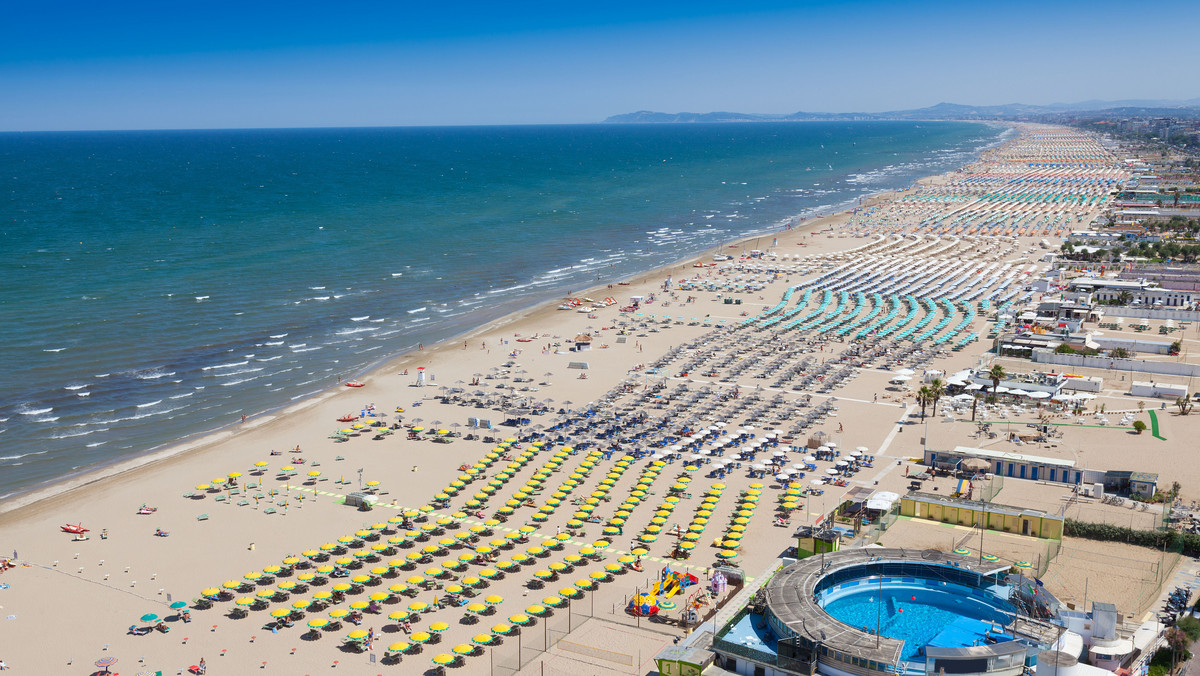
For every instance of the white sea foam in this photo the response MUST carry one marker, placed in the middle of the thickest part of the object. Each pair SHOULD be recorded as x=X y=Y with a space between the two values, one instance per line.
x=420 y=309
x=239 y=381
x=200 y=299
x=74 y=387
x=281 y=335
x=269 y=358
x=307 y=349
x=139 y=416
x=225 y=374
x=347 y=332
x=96 y=443
x=224 y=366
x=150 y=403
x=83 y=394
x=359 y=319
x=54 y=349
x=153 y=374
x=274 y=343
x=181 y=396
x=36 y=411
x=71 y=435
x=22 y=455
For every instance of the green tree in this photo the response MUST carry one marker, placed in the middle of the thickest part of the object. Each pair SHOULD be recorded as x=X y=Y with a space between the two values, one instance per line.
x=1184 y=404
x=1139 y=426
x=996 y=374
x=923 y=398
x=937 y=390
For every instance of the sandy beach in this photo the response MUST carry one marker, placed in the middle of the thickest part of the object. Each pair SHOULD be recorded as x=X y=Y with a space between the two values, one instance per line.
x=638 y=436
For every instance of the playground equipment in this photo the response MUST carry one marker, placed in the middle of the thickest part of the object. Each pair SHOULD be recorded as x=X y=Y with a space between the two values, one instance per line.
x=669 y=584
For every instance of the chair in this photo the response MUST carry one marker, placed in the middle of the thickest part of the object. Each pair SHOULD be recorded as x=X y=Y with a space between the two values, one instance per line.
x=202 y=517
x=269 y=510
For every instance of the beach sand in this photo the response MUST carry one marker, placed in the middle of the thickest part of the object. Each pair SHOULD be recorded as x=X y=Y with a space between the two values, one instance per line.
x=71 y=602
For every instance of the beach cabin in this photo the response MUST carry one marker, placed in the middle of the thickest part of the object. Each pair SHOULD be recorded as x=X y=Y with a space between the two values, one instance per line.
x=812 y=540
x=993 y=516
x=583 y=342
x=1126 y=482
x=1003 y=463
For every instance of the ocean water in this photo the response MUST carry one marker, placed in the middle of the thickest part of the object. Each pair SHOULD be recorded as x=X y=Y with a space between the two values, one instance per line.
x=156 y=285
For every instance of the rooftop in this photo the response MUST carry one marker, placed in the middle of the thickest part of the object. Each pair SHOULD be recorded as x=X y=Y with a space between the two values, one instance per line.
x=1008 y=456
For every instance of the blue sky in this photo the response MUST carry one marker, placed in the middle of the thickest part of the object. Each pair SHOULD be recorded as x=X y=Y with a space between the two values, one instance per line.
x=189 y=64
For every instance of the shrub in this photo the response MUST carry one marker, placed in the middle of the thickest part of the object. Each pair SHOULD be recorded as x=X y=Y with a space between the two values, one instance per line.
x=1139 y=426
x=1190 y=626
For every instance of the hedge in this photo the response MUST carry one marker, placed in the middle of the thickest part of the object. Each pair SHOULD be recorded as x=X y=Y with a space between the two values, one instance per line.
x=1186 y=543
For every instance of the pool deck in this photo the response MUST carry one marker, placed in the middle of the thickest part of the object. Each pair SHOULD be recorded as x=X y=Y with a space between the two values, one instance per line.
x=791 y=597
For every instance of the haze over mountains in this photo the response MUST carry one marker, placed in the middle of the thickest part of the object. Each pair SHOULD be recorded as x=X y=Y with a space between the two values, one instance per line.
x=941 y=111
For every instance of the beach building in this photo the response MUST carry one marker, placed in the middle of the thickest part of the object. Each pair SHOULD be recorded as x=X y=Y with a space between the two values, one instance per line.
x=993 y=516
x=1035 y=381
x=1007 y=464
x=812 y=540
x=1141 y=292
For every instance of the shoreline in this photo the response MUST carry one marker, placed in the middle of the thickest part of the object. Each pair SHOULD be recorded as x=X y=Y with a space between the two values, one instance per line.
x=23 y=499
x=600 y=430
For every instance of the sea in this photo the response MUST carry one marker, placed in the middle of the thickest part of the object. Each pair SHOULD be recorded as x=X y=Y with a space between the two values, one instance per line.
x=156 y=285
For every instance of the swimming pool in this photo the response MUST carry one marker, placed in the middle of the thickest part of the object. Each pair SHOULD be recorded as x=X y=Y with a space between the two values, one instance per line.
x=919 y=611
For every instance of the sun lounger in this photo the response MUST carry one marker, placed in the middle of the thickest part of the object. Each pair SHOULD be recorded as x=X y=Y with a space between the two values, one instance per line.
x=269 y=510
x=202 y=517
x=243 y=503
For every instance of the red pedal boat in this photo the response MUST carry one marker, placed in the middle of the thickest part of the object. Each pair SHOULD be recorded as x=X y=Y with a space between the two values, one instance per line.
x=353 y=383
x=348 y=418
x=77 y=529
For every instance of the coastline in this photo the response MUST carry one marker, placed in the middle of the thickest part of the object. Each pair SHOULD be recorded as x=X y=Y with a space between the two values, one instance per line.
x=31 y=497
x=605 y=426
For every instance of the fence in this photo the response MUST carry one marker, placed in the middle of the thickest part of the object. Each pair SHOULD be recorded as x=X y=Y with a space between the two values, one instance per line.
x=1174 y=368
x=531 y=642
x=991 y=488
x=871 y=533
x=1053 y=547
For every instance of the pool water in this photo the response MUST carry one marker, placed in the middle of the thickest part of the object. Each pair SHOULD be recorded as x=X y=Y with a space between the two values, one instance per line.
x=920 y=613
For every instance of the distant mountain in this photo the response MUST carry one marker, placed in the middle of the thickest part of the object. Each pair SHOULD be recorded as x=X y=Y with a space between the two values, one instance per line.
x=941 y=111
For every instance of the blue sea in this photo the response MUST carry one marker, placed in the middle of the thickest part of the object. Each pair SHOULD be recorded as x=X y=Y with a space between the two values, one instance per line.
x=156 y=285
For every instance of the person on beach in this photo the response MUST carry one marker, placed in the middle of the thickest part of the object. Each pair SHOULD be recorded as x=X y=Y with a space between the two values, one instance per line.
x=202 y=667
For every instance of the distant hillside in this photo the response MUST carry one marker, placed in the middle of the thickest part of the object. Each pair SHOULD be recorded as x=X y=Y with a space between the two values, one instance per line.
x=941 y=111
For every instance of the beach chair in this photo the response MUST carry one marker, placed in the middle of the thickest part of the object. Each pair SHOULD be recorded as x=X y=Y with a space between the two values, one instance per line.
x=202 y=517
x=189 y=495
x=269 y=510
x=243 y=503
x=222 y=498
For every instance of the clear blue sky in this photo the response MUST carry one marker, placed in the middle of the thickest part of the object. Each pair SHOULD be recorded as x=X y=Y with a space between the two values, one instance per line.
x=204 y=64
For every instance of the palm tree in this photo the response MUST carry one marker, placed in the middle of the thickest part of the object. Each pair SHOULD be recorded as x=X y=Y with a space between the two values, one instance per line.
x=996 y=374
x=923 y=398
x=937 y=390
